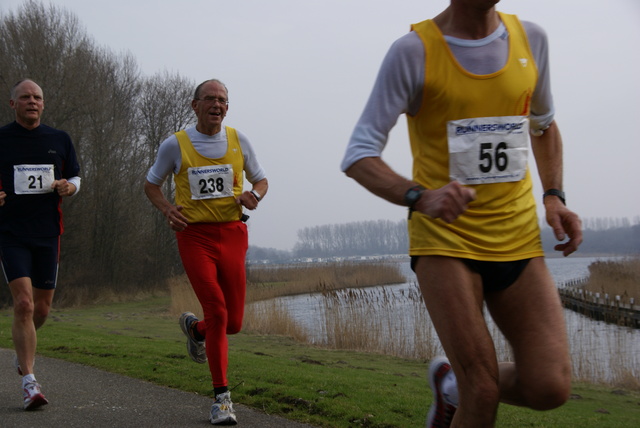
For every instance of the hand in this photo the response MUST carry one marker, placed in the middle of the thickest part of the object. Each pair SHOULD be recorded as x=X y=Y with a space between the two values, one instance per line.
x=447 y=202
x=63 y=187
x=564 y=222
x=247 y=200
x=2 y=196
x=177 y=221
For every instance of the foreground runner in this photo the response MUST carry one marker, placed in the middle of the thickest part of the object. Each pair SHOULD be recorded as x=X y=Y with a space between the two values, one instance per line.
x=474 y=83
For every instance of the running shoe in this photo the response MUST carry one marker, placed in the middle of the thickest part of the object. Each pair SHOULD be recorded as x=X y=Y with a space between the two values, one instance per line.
x=195 y=348
x=222 y=410
x=33 y=397
x=441 y=411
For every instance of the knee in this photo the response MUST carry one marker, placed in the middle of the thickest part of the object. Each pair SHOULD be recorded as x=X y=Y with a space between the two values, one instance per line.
x=486 y=394
x=480 y=391
x=549 y=393
x=40 y=314
x=234 y=327
x=23 y=308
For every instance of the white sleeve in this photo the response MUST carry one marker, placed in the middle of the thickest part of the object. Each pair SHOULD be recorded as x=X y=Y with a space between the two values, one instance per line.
x=252 y=168
x=169 y=158
x=76 y=182
x=396 y=90
x=542 y=109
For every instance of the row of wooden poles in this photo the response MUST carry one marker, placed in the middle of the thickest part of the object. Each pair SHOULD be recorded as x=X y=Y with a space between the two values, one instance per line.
x=620 y=310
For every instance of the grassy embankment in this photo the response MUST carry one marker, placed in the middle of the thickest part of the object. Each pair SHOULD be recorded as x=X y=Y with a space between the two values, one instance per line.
x=330 y=388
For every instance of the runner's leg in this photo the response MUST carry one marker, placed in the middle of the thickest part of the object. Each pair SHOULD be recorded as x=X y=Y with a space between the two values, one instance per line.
x=530 y=315
x=454 y=298
x=200 y=248
x=23 y=330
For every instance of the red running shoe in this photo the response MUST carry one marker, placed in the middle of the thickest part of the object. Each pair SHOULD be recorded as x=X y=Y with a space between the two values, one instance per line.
x=33 y=397
x=441 y=411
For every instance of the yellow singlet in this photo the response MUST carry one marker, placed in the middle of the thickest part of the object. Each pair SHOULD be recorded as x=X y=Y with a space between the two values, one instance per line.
x=474 y=129
x=208 y=188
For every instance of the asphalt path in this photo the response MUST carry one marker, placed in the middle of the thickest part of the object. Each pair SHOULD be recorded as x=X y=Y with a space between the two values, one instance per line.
x=83 y=396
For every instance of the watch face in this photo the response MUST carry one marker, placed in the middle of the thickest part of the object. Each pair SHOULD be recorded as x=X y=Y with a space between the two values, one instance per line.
x=412 y=196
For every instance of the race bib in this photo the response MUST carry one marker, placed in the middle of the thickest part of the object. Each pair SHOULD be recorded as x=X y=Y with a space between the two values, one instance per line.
x=211 y=182
x=33 y=179
x=488 y=149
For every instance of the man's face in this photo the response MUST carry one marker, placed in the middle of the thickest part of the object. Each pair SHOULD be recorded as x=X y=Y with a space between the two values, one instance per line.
x=28 y=103
x=211 y=107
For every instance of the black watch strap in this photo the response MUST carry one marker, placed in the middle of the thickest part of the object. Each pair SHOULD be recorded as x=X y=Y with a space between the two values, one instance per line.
x=555 y=192
x=413 y=195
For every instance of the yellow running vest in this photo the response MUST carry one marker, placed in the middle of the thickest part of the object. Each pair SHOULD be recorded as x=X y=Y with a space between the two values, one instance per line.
x=481 y=123
x=208 y=188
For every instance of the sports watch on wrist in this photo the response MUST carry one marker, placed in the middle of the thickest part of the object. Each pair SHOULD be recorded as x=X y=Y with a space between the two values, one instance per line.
x=555 y=192
x=256 y=195
x=413 y=195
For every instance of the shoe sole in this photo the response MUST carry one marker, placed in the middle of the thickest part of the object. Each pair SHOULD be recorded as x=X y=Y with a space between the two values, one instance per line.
x=37 y=401
x=226 y=421
x=433 y=368
x=185 y=330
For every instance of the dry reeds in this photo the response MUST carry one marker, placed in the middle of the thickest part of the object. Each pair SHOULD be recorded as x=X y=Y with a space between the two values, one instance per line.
x=183 y=298
x=267 y=282
x=379 y=321
x=615 y=278
x=394 y=320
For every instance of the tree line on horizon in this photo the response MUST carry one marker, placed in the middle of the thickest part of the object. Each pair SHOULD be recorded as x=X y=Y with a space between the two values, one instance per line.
x=616 y=236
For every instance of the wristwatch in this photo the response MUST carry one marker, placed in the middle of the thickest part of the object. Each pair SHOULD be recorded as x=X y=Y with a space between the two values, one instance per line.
x=413 y=195
x=555 y=192
x=256 y=195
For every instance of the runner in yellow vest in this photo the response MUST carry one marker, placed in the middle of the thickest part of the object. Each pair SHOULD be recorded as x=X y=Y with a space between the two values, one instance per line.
x=209 y=163
x=474 y=84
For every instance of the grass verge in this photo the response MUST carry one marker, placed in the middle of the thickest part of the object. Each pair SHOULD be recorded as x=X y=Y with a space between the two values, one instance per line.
x=275 y=374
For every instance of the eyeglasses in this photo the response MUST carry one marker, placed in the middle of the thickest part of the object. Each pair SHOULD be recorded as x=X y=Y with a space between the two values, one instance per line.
x=213 y=100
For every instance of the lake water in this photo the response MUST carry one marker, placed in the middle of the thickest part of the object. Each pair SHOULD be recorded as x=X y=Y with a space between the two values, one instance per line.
x=601 y=352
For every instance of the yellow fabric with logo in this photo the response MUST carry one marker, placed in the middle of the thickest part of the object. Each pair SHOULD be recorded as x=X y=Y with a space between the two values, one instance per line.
x=209 y=210
x=501 y=224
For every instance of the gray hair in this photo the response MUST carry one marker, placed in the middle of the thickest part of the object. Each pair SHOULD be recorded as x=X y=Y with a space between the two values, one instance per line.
x=196 y=94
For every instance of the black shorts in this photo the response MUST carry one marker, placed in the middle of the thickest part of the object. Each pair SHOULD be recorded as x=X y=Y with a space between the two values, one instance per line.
x=35 y=258
x=496 y=276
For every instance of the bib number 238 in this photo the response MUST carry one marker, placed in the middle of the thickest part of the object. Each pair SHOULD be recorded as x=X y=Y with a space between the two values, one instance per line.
x=211 y=182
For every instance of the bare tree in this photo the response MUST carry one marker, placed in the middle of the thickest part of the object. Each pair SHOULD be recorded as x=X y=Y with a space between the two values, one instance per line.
x=165 y=108
x=116 y=118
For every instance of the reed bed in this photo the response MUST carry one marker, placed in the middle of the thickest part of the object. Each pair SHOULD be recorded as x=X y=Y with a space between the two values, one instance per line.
x=267 y=282
x=394 y=320
x=616 y=278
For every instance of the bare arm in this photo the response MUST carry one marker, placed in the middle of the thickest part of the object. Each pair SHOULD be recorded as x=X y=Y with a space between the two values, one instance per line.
x=547 y=150
x=176 y=220
x=447 y=202
x=248 y=199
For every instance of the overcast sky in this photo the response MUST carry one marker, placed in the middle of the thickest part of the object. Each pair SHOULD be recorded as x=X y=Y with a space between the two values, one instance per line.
x=300 y=71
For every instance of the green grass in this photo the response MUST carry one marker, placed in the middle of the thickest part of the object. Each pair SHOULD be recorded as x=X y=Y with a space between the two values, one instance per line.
x=279 y=376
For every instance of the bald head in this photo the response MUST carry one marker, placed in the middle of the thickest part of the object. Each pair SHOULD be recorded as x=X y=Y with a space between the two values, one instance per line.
x=27 y=100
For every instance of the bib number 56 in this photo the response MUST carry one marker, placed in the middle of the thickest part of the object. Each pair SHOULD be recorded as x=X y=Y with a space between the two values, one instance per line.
x=490 y=157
